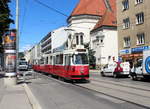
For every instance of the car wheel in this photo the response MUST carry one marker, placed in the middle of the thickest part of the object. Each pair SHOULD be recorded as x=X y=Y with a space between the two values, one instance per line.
x=115 y=75
x=102 y=74
x=134 y=77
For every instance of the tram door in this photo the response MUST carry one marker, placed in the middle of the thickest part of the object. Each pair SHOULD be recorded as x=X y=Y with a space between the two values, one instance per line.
x=67 y=63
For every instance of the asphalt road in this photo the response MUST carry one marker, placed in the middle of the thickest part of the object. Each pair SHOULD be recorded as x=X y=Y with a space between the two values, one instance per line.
x=124 y=80
x=55 y=94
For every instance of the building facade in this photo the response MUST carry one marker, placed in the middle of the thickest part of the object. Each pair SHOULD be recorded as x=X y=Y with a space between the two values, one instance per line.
x=46 y=44
x=27 y=55
x=104 y=37
x=133 y=28
x=85 y=16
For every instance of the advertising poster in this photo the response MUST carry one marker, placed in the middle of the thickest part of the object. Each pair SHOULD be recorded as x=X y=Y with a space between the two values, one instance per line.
x=10 y=62
x=10 y=39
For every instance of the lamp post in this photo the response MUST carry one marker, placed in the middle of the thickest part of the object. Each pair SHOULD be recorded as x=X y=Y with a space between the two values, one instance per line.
x=17 y=34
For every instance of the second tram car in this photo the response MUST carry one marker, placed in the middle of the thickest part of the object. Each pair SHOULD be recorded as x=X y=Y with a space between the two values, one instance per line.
x=69 y=64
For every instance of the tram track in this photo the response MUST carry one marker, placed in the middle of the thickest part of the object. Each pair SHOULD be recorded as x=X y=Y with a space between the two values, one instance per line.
x=131 y=97
x=121 y=90
x=122 y=84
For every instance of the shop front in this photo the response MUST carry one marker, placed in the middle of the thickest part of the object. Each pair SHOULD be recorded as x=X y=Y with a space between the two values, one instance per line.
x=132 y=54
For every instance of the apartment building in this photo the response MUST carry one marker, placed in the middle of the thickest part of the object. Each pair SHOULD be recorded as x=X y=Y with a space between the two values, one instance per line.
x=46 y=44
x=133 y=28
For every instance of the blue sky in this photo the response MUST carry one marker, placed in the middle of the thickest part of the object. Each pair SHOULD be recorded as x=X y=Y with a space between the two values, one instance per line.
x=36 y=21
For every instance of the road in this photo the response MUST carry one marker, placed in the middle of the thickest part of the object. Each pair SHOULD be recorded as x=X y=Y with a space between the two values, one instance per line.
x=55 y=94
x=95 y=75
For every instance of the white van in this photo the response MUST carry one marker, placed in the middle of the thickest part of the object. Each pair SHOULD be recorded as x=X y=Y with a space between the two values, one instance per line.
x=116 y=69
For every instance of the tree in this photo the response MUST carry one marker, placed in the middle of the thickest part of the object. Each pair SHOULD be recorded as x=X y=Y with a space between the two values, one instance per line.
x=92 y=58
x=21 y=55
x=5 y=19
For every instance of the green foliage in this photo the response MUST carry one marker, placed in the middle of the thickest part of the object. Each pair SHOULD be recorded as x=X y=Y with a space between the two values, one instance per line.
x=21 y=55
x=92 y=58
x=4 y=19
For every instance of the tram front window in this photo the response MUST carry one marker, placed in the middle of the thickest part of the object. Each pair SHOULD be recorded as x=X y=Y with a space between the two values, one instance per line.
x=80 y=59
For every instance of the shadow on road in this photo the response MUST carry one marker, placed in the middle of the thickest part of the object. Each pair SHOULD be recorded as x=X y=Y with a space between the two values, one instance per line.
x=1 y=75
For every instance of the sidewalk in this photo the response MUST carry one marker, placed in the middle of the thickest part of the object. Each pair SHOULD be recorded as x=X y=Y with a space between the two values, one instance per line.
x=13 y=97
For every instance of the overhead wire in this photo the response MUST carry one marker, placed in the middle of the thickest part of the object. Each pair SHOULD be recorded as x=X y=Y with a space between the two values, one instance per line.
x=24 y=16
x=51 y=8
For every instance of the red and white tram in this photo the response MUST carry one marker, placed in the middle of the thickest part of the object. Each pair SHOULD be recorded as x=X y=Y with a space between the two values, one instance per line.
x=69 y=64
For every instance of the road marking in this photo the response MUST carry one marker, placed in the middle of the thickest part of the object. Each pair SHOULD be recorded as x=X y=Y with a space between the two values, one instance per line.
x=114 y=100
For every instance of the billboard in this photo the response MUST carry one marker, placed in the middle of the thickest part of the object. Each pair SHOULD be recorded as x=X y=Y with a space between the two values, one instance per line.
x=9 y=40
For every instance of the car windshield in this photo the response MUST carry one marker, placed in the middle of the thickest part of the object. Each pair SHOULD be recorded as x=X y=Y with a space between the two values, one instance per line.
x=23 y=63
x=80 y=59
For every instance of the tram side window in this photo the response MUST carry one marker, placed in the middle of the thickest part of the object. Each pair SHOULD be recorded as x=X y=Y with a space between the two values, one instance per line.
x=46 y=60
x=54 y=60
x=67 y=60
x=50 y=60
x=59 y=59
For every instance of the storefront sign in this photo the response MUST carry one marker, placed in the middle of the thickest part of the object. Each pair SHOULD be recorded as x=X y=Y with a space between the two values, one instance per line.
x=140 y=49
x=125 y=51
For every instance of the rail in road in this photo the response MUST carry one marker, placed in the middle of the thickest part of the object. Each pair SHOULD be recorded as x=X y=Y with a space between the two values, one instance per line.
x=132 y=93
x=122 y=84
x=138 y=95
x=53 y=92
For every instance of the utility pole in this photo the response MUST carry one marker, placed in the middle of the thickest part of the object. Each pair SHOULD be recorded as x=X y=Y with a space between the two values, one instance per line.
x=17 y=34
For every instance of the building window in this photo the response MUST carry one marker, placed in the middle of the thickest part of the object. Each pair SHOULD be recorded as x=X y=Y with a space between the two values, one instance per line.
x=138 y=1
x=77 y=40
x=140 y=18
x=125 y=4
x=126 y=23
x=81 y=39
x=140 y=39
x=127 y=42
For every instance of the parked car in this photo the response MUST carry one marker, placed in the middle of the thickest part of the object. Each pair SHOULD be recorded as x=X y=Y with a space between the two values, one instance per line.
x=116 y=69
x=23 y=65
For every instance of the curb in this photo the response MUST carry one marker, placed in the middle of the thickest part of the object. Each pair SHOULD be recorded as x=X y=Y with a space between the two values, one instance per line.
x=33 y=101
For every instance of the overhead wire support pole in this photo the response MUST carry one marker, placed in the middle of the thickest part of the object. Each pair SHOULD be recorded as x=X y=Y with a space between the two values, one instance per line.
x=17 y=34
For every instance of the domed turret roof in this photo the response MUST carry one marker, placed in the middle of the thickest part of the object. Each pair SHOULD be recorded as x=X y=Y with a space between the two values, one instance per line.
x=89 y=7
x=109 y=17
